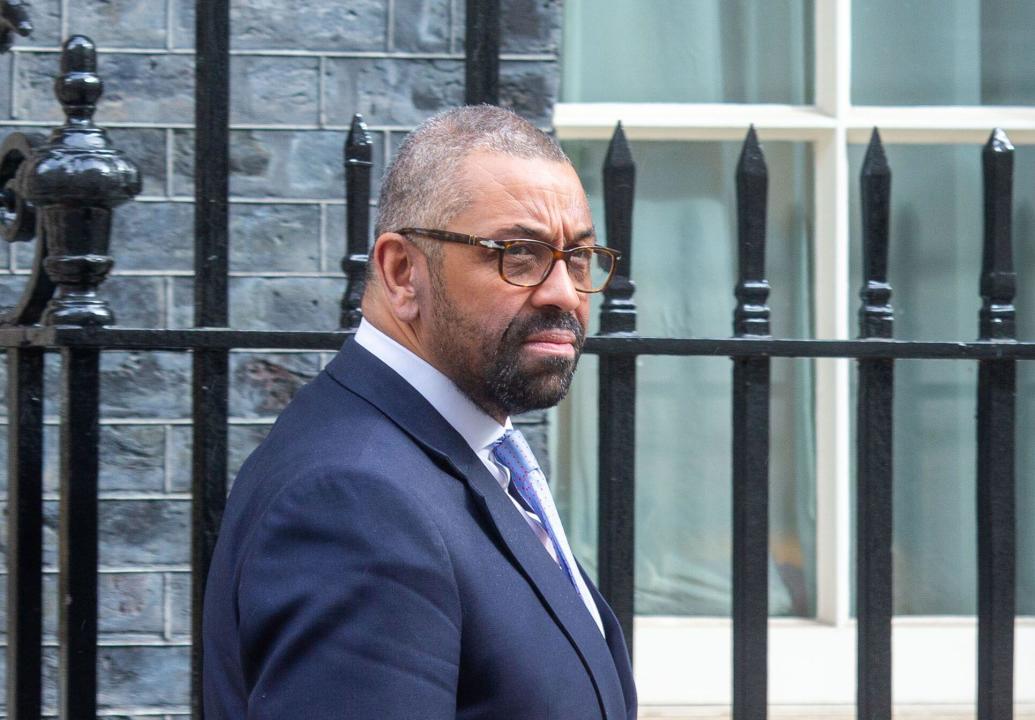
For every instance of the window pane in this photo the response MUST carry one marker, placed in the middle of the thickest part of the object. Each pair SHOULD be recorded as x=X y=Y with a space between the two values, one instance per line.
x=677 y=51
x=951 y=52
x=934 y=266
x=684 y=266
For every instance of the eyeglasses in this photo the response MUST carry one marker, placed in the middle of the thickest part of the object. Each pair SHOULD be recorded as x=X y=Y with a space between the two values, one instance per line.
x=527 y=263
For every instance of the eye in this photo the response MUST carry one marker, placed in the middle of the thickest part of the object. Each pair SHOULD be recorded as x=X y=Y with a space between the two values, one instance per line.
x=520 y=249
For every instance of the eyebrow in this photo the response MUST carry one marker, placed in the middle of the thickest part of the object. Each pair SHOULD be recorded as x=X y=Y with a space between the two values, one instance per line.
x=533 y=234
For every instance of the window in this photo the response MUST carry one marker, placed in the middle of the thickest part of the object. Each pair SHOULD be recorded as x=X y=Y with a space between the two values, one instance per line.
x=814 y=76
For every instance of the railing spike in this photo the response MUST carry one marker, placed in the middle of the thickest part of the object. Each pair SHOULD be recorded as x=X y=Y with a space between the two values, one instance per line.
x=618 y=152
x=752 y=159
x=876 y=161
x=358 y=137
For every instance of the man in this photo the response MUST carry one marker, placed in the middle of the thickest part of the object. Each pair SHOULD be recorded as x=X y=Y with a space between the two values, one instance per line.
x=371 y=562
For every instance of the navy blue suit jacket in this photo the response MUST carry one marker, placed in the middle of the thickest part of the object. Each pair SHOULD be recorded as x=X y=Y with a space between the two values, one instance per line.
x=369 y=566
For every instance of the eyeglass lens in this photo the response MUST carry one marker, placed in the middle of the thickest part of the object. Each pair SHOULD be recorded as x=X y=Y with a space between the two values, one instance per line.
x=527 y=263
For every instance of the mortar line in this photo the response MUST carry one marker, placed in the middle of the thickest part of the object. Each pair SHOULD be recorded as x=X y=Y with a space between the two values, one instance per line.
x=170 y=301
x=390 y=26
x=267 y=127
x=167 y=462
x=169 y=21
x=64 y=21
x=15 y=60
x=321 y=87
x=453 y=10
x=336 y=54
x=323 y=237
x=170 y=161
x=166 y=607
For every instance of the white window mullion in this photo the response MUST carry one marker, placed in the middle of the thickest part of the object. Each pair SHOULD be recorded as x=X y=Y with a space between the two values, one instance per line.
x=954 y=124
x=832 y=314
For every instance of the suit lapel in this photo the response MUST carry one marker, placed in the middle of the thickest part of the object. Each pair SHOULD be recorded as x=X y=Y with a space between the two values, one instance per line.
x=360 y=371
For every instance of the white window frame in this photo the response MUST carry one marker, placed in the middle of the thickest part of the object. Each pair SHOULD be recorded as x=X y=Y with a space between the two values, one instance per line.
x=686 y=661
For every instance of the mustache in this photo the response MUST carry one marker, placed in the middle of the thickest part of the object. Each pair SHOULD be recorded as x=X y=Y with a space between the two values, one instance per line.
x=521 y=328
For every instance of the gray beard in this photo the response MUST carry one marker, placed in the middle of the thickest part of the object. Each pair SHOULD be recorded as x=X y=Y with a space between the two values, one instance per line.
x=516 y=390
x=501 y=386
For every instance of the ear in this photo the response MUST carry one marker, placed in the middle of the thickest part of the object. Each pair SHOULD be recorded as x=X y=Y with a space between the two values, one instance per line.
x=400 y=267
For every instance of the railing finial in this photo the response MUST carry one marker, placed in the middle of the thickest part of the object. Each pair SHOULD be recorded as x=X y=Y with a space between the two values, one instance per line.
x=358 y=168
x=78 y=87
x=618 y=312
x=751 y=316
x=14 y=18
x=876 y=316
x=74 y=181
x=998 y=280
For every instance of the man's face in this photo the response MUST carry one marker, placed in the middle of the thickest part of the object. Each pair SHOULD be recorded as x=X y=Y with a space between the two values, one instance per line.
x=509 y=348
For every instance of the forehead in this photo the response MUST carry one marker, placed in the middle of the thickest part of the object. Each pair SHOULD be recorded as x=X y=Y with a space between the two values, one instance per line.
x=507 y=189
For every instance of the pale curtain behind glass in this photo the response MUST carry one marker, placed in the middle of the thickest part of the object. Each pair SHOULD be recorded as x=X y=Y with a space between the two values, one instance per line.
x=684 y=264
x=962 y=52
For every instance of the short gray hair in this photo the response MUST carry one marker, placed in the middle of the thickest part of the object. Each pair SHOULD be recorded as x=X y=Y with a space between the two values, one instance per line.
x=423 y=187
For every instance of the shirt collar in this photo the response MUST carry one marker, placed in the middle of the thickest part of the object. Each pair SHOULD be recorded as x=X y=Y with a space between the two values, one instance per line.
x=477 y=428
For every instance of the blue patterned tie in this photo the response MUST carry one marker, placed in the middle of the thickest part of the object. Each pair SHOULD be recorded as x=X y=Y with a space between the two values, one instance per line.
x=512 y=452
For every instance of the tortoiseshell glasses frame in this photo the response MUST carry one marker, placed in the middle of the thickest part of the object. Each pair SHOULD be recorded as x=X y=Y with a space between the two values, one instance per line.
x=527 y=263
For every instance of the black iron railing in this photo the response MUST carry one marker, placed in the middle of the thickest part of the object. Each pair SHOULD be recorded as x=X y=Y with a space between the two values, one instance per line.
x=50 y=198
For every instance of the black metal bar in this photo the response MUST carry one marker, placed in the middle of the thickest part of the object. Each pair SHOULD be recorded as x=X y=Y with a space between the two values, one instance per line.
x=214 y=338
x=211 y=163
x=616 y=534
x=24 y=533
x=874 y=449
x=482 y=48
x=211 y=261
x=77 y=614
x=358 y=167
x=997 y=396
x=208 y=488
x=751 y=446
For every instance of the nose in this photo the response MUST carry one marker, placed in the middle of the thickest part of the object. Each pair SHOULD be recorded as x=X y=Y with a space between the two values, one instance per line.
x=557 y=289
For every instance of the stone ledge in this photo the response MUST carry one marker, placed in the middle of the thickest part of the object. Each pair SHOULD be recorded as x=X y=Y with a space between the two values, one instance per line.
x=825 y=712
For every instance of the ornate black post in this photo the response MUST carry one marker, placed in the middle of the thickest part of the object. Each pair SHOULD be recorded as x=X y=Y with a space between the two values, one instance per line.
x=617 y=457
x=997 y=396
x=482 y=48
x=874 y=448
x=751 y=445
x=74 y=181
x=358 y=167
x=14 y=18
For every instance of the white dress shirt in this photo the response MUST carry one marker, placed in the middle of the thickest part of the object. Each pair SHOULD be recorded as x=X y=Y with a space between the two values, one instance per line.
x=476 y=427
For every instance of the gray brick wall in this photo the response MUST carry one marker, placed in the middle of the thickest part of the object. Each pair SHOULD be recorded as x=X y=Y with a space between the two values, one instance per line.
x=299 y=71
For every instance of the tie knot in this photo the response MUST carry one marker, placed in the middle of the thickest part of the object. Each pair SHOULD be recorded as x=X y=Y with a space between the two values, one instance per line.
x=512 y=451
